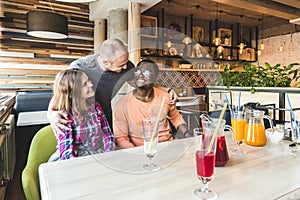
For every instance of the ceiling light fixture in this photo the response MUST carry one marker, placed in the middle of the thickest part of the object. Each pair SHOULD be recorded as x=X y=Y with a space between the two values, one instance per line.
x=240 y=51
x=242 y=45
x=295 y=21
x=220 y=49
x=281 y=44
x=187 y=40
x=217 y=40
x=77 y=1
x=169 y=44
x=262 y=46
x=259 y=52
x=48 y=25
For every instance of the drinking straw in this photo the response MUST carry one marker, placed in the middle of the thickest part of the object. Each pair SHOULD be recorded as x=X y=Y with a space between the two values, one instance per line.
x=239 y=101
x=156 y=123
x=217 y=128
x=292 y=112
x=229 y=106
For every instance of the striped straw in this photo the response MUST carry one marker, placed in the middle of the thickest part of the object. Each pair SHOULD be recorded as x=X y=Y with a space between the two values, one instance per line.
x=229 y=106
x=156 y=124
x=293 y=114
x=239 y=101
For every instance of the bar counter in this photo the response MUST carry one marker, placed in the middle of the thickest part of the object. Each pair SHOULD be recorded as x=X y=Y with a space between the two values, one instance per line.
x=268 y=172
x=279 y=98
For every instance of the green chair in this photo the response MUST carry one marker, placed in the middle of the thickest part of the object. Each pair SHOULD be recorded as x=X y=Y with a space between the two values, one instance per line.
x=42 y=146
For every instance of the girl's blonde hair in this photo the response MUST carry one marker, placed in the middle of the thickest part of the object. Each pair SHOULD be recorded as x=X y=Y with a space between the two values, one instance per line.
x=67 y=91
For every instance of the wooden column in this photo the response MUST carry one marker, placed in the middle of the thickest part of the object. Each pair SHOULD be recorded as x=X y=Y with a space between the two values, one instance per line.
x=134 y=34
x=118 y=25
x=99 y=34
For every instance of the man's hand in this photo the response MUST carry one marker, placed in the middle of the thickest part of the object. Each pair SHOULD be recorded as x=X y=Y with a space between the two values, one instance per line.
x=173 y=98
x=58 y=121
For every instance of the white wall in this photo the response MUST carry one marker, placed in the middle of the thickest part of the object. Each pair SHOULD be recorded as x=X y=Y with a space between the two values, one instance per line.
x=290 y=53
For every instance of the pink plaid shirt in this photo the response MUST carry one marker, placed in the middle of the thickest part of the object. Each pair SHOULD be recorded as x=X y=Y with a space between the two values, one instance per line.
x=85 y=137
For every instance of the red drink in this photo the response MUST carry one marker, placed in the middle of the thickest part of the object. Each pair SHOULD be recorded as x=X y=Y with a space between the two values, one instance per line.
x=205 y=163
x=221 y=153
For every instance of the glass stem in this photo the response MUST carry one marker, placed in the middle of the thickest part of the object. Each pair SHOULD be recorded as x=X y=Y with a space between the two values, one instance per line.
x=151 y=161
x=205 y=183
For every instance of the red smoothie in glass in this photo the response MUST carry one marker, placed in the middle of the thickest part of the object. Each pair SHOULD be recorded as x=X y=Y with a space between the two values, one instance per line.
x=205 y=163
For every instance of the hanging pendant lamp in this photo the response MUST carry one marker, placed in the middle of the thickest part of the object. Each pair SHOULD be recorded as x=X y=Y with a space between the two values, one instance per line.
x=217 y=39
x=242 y=45
x=187 y=40
x=262 y=46
x=48 y=25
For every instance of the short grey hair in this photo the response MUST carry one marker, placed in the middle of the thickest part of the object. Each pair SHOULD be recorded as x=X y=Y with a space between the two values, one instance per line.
x=111 y=49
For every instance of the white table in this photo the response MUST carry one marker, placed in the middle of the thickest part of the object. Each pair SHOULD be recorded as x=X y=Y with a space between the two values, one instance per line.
x=32 y=118
x=267 y=172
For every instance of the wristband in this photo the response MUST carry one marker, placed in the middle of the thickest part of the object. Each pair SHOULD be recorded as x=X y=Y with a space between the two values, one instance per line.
x=169 y=90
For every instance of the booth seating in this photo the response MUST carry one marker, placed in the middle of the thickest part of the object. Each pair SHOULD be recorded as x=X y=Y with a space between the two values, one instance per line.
x=29 y=101
x=33 y=100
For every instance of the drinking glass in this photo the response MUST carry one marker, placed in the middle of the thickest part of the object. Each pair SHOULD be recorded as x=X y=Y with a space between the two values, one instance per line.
x=150 y=135
x=238 y=124
x=222 y=155
x=295 y=126
x=205 y=160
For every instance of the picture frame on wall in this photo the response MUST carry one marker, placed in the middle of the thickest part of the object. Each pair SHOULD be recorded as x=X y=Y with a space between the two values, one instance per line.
x=226 y=36
x=198 y=33
x=148 y=26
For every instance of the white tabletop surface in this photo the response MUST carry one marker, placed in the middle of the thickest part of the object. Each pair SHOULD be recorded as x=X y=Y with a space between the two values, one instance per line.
x=268 y=172
x=32 y=118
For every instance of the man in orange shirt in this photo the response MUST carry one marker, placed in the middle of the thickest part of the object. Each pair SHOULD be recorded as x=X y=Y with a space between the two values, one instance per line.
x=144 y=102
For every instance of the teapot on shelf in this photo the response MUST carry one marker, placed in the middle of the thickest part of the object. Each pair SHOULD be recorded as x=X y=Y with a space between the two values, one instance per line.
x=255 y=128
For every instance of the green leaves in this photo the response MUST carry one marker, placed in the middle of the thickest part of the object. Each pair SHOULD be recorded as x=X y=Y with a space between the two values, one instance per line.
x=252 y=76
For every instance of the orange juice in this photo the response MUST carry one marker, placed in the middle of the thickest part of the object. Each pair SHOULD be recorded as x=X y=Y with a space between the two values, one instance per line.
x=255 y=134
x=239 y=126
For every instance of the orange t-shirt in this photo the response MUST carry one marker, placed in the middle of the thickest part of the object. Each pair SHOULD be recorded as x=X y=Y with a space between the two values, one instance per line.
x=129 y=112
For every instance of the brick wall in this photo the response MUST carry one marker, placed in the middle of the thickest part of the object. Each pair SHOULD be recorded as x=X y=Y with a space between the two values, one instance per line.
x=290 y=53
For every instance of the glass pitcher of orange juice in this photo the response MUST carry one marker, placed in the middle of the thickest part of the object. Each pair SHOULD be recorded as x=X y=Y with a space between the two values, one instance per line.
x=254 y=127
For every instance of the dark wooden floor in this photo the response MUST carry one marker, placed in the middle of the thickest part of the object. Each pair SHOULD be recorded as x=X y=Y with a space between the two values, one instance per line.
x=24 y=135
x=14 y=190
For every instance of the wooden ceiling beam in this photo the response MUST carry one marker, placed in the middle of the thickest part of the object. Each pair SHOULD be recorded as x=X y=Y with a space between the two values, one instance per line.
x=293 y=3
x=268 y=8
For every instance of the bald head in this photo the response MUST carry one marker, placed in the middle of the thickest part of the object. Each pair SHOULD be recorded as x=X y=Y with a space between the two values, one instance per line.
x=112 y=49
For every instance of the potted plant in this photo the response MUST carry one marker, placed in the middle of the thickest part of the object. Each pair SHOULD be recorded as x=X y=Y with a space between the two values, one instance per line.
x=253 y=76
